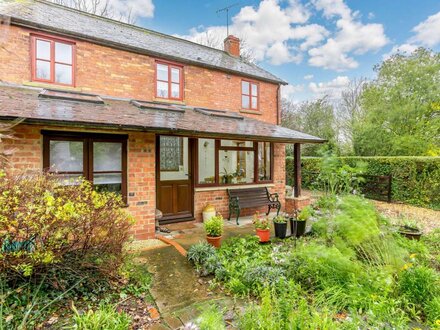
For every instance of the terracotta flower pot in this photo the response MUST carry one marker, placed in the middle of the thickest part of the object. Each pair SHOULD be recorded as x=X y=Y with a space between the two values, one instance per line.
x=215 y=241
x=263 y=234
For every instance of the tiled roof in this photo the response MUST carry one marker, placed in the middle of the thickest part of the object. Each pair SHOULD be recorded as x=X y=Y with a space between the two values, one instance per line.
x=44 y=15
x=25 y=103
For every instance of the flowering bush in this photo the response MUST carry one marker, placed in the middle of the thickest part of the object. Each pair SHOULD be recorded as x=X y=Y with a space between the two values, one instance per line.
x=43 y=223
x=259 y=222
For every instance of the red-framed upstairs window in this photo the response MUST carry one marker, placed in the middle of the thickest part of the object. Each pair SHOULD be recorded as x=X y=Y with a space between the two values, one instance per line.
x=249 y=95
x=53 y=60
x=169 y=81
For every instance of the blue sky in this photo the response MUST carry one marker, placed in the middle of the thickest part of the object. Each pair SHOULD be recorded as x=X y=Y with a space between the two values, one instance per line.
x=317 y=46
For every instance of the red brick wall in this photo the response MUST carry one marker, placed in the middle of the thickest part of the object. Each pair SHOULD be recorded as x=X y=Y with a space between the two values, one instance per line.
x=219 y=198
x=141 y=171
x=108 y=71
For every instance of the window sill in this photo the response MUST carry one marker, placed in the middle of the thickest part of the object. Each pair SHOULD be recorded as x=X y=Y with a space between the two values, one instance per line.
x=238 y=186
x=254 y=112
x=51 y=86
x=159 y=100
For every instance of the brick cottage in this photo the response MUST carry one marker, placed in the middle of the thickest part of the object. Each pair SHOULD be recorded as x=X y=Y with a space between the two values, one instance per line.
x=167 y=123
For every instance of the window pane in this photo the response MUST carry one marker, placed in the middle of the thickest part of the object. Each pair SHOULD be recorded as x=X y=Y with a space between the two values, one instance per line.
x=175 y=75
x=107 y=156
x=254 y=90
x=162 y=89
x=245 y=87
x=206 y=161
x=254 y=103
x=43 y=50
x=63 y=74
x=111 y=182
x=245 y=101
x=236 y=167
x=162 y=72
x=175 y=91
x=69 y=179
x=66 y=156
x=42 y=70
x=63 y=53
x=232 y=143
x=264 y=161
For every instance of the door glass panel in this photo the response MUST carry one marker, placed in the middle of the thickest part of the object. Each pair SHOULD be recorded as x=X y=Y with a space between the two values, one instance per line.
x=174 y=154
x=66 y=156
x=107 y=156
x=206 y=155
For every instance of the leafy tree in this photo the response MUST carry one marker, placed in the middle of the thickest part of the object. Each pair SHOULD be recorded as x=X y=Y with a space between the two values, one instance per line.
x=312 y=117
x=401 y=109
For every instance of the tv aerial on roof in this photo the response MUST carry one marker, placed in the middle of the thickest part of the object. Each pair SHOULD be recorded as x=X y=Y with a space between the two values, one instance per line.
x=226 y=9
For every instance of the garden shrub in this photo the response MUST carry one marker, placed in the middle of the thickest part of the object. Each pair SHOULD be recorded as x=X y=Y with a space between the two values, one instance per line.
x=67 y=228
x=416 y=180
x=419 y=284
x=211 y=319
x=204 y=257
x=105 y=317
x=432 y=310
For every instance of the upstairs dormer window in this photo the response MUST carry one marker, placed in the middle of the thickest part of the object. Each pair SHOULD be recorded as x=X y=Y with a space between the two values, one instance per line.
x=249 y=95
x=169 y=81
x=53 y=60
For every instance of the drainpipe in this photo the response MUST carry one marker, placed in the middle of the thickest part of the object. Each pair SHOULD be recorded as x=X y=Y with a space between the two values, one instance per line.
x=278 y=105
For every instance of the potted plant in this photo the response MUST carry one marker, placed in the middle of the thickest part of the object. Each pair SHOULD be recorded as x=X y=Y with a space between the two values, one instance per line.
x=214 y=230
x=262 y=227
x=410 y=230
x=299 y=222
x=280 y=224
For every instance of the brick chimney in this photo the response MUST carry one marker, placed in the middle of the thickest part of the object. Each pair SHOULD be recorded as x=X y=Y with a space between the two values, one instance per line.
x=232 y=45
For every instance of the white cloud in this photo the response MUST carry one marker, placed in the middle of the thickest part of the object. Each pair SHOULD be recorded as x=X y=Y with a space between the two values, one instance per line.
x=308 y=77
x=138 y=8
x=427 y=33
x=352 y=37
x=290 y=91
x=332 y=89
x=279 y=32
x=405 y=49
x=371 y=15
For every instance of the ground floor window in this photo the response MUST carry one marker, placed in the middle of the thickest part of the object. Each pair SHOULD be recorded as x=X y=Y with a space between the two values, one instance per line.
x=228 y=162
x=100 y=158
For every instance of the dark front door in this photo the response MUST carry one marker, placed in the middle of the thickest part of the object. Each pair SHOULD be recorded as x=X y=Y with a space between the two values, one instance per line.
x=174 y=182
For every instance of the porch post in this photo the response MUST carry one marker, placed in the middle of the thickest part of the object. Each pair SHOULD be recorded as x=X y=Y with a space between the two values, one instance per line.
x=297 y=169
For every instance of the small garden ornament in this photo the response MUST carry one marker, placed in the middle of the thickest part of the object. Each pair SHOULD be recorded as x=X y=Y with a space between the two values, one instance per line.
x=262 y=227
x=214 y=230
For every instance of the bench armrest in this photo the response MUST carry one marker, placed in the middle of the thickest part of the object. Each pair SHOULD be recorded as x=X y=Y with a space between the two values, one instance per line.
x=233 y=200
x=273 y=197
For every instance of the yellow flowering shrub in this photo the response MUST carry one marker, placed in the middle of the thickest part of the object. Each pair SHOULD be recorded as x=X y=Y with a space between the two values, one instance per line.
x=44 y=223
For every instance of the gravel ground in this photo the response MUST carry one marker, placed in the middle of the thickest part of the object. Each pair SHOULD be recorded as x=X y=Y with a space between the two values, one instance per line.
x=427 y=219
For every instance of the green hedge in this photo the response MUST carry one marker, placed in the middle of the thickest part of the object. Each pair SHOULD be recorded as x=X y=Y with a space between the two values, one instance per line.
x=416 y=180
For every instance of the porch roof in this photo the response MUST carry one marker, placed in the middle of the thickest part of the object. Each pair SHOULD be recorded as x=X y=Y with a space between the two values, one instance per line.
x=154 y=117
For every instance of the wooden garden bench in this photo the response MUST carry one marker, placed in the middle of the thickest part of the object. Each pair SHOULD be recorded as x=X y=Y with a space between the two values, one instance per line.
x=252 y=197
